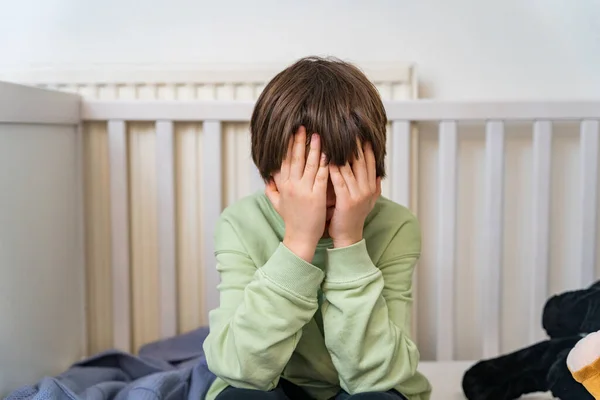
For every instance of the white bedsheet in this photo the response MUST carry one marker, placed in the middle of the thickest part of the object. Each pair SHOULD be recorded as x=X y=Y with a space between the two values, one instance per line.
x=446 y=379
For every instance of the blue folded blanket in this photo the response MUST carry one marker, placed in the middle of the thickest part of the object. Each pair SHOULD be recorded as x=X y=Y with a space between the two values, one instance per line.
x=174 y=368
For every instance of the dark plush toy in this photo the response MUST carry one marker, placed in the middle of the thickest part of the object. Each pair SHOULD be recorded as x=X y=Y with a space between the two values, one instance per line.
x=542 y=367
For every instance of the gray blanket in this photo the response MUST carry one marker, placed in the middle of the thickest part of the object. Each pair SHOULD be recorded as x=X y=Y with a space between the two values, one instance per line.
x=170 y=369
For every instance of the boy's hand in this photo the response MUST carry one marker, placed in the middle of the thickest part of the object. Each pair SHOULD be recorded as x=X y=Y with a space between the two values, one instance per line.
x=356 y=190
x=299 y=192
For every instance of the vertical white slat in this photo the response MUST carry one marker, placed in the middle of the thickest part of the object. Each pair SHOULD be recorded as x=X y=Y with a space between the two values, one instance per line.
x=589 y=197
x=446 y=233
x=231 y=179
x=212 y=189
x=401 y=167
x=401 y=162
x=119 y=216
x=542 y=164
x=81 y=236
x=492 y=266
x=190 y=275
x=414 y=176
x=165 y=164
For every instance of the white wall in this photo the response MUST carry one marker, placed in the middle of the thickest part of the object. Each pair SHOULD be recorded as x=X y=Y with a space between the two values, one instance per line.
x=463 y=48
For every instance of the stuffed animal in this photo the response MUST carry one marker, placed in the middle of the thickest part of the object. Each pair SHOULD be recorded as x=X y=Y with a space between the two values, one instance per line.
x=567 y=364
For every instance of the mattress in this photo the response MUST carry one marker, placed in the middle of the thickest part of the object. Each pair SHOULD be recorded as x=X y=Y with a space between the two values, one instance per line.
x=446 y=379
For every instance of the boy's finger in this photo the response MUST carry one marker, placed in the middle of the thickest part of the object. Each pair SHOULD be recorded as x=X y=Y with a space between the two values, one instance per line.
x=312 y=162
x=339 y=184
x=350 y=180
x=359 y=168
x=287 y=160
x=298 y=151
x=371 y=166
x=322 y=174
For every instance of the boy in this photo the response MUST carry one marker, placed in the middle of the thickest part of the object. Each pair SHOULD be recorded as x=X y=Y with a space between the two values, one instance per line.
x=316 y=273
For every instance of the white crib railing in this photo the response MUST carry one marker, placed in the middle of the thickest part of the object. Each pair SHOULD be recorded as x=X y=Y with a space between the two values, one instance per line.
x=437 y=277
x=42 y=282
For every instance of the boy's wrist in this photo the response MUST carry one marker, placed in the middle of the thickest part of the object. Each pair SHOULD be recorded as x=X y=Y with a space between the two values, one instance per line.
x=302 y=248
x=347 y=241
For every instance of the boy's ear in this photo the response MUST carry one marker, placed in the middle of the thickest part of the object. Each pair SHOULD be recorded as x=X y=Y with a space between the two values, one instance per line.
x=271 y=182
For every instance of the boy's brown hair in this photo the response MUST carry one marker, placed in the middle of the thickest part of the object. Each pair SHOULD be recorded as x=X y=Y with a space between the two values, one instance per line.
x=327 y=96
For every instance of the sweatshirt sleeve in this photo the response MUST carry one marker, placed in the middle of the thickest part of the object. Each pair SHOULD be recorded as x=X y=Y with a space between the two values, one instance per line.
x=367 y=313
x=262 y=310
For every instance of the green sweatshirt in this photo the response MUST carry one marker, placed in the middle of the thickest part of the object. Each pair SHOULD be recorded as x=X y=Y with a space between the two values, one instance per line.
x=340 y=322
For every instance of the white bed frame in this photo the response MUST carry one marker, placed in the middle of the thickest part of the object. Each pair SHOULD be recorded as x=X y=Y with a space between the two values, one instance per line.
x=48 y=112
